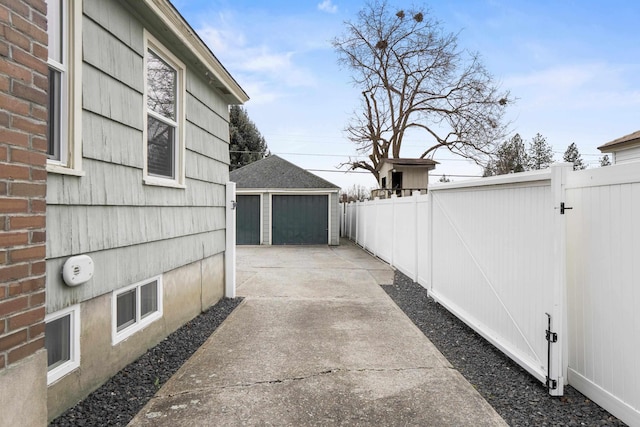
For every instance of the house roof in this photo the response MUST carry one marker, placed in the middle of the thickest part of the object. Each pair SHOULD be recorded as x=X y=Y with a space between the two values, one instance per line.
x=622 y=142
x=276 y=172
x=162 y=14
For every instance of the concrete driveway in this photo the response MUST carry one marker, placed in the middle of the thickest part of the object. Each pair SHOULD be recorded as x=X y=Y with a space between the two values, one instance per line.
x=316 y=341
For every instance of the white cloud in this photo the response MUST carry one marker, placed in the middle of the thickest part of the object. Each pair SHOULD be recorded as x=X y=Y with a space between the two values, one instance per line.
x=278 y=66
x=327 y=6
x=221 y=42
x=553 y=79
x=588 y=103
x=262 y=60
x=578 y=86
x=265 y=73
x=261 y=92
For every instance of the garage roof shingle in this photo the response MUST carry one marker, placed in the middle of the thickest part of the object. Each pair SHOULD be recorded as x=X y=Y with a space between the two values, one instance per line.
x=276 y=172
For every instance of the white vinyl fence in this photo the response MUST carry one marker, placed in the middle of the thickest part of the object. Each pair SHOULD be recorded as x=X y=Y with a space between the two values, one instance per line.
x=603 y=287
x=557 y=290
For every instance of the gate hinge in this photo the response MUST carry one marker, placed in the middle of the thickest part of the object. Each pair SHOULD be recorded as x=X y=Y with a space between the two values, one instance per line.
x=552 y=337
x=563 y=208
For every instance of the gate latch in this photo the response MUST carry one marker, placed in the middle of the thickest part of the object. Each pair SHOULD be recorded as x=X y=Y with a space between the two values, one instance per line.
x=563 y=208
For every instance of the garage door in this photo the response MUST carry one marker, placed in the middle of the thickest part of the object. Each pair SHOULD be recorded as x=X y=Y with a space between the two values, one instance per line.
x=248 y=220
x=300 y=220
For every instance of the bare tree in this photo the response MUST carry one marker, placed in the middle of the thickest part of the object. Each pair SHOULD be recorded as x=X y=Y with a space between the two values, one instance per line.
x=161 y=87
x=162 y=110
x=355 y=193
x=414 y=76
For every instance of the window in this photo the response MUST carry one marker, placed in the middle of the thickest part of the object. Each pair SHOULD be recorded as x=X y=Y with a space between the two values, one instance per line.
x=135 y=307
x=62 y=341
x=126 y=309
x=164 y=118
x=64 y=127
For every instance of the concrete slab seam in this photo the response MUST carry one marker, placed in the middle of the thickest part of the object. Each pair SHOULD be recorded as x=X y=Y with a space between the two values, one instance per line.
x=293 y=379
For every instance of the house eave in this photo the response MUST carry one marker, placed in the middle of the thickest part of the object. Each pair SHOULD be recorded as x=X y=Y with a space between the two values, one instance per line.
x=287 y=190
x=622 y=143
x=215 y=72
x=412 y=163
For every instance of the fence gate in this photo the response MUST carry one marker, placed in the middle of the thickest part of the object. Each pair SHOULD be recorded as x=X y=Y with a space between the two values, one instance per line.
x=497 y=261
x=603 y=287
x=545 y=265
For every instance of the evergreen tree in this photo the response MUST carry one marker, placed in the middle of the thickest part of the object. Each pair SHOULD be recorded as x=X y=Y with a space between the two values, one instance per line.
x=511 y=157
x=247 y=144
x=605 y=161
x=572 y=155
x=489 y=169
x=540 y=153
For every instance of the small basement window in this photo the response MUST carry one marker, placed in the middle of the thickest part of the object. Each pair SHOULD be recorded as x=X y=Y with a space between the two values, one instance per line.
x=62 y=341
x=135 y=307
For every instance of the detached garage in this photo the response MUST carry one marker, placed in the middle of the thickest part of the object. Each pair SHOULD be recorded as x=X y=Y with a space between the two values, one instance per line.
x=280 y=203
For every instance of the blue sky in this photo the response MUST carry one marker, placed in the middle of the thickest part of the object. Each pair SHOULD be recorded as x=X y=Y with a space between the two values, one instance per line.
x=574 y=67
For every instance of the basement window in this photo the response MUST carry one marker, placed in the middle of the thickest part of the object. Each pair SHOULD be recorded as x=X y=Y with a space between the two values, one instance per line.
x=62 y=341
x=135 y=307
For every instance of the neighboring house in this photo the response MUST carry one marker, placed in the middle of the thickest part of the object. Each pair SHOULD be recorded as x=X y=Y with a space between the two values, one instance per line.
x=137 y=159
x=280 y=203
x=623 y=150
x=403 y=177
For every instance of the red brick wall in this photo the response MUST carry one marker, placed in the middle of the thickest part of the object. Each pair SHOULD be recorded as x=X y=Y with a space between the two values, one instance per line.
x=23 y=144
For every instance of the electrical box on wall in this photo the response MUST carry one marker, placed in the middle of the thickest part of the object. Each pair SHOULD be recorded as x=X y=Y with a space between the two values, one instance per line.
x=77 y=270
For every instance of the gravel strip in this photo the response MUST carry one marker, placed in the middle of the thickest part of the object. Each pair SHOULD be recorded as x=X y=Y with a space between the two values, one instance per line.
x=516 y=395
x=117 y=401
x=519 y=398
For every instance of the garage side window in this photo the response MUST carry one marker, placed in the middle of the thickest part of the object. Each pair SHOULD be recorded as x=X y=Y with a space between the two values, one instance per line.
x=164 y=130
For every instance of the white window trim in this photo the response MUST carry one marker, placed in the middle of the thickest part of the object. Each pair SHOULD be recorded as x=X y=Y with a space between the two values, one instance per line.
x=140 y=323
x=152 y=43
x=70 y=162
x=74 y=354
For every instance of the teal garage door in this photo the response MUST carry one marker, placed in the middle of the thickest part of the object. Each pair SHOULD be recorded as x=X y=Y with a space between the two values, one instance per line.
x=300 y=220
x=248 y=220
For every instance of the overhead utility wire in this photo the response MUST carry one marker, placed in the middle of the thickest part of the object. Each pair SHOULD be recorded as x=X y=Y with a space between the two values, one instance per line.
x=337 y=155
x=365 y=172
